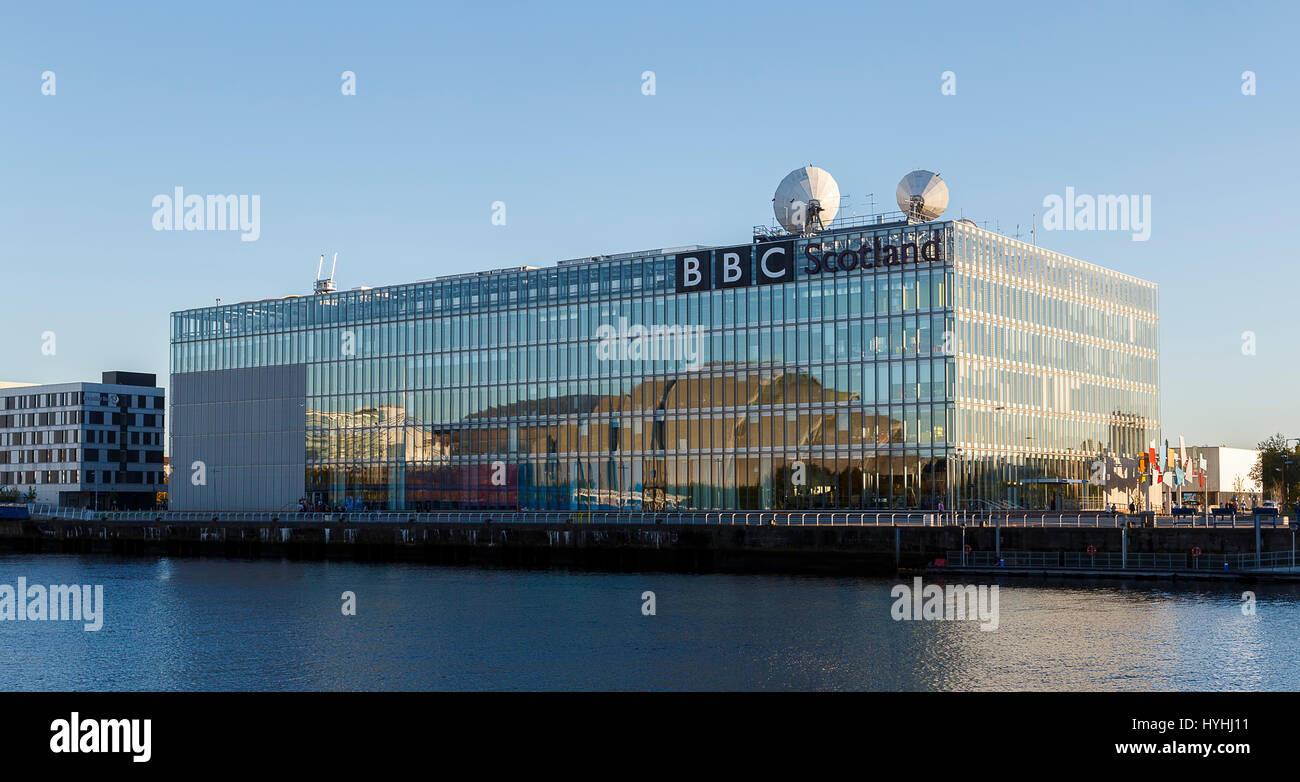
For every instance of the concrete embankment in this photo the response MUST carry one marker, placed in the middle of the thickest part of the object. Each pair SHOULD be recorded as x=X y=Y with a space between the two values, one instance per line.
x=693 y=548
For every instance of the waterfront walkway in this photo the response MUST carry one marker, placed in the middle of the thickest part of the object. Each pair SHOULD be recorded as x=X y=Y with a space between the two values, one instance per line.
x=857 y=543
x=1094 y=519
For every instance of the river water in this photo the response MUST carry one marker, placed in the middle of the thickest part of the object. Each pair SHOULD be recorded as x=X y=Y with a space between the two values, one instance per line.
x=191 y=624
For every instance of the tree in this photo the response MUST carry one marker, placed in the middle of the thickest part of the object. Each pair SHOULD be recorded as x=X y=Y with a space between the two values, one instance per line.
x=8 y=494
x=1277 y=469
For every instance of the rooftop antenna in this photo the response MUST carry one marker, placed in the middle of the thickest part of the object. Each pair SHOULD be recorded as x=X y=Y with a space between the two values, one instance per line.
x=871 y=199
x=325 y=285
x=922 y=196
x=1033 y=230
x=807 y=199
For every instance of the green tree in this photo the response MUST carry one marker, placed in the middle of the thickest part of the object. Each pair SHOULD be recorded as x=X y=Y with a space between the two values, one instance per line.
x=1277 y=469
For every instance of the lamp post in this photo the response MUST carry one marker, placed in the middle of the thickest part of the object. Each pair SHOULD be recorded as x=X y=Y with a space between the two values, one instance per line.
x=1282 y=470
x=1029 y=444
x=954 y=470
x=1286 y=461
x=947 y=490
x=1205 y=493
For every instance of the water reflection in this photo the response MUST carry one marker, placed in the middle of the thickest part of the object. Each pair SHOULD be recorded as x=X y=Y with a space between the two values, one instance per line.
x=223 y=625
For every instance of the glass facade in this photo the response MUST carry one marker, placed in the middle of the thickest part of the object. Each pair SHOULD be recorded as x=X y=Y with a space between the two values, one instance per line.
x=1058 y=365
x=596 y=385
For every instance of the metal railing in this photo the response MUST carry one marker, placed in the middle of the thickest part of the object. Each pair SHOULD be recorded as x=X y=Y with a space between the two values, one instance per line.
x=749 y=518
x=1264 y=560
x=1105 y=520
x=1012 y=559
x=1114 y=560
x=849 y=221
x=787 y=518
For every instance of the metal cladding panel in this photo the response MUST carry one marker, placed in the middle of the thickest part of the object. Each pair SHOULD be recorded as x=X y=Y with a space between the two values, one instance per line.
x=246 y=428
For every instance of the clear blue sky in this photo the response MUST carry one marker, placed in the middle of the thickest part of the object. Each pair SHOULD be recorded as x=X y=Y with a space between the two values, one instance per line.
x=540 y=106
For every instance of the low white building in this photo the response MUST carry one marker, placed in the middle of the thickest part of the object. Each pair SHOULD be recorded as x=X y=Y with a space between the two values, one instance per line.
x=1227 y=476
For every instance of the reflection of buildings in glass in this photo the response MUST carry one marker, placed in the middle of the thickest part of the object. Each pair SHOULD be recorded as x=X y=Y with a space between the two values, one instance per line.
x=351 y=452
x=841 y=389
x=370 y=434
x=623 y=437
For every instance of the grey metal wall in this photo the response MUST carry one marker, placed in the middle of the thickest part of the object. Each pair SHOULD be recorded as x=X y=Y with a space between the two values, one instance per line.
x=247 y=428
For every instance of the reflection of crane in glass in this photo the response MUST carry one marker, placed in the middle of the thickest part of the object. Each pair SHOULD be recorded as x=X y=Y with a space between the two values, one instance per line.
x=654 y=493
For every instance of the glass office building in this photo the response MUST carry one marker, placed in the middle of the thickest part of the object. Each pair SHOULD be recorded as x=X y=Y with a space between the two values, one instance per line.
x=873 y=365
x=1057 y=367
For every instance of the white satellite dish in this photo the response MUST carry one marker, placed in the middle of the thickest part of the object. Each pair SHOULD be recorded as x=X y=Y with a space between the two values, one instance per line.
x=922 y=195
x=806 y=199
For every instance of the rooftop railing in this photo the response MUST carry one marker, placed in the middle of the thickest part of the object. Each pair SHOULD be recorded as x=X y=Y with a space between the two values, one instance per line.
x=839 y=223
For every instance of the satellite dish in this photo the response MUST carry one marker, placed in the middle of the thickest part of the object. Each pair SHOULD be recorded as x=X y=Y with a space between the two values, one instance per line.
x=922 y=195
x=806 y=199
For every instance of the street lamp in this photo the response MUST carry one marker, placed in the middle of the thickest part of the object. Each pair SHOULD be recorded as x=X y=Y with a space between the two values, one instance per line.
x=954 y=470
x=1285 y=463
x=1282 y=470
x=947 y=489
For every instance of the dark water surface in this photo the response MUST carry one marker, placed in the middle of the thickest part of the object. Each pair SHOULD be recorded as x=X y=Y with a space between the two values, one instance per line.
x=189 y=624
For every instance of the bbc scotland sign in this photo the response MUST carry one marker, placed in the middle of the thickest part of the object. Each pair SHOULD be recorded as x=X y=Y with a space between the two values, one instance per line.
x=734 y=267
x=774 y=262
